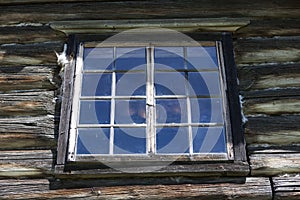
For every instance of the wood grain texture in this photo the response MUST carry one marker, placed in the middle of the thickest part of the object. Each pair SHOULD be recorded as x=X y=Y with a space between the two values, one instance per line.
x=286 y=187
x=254 y=188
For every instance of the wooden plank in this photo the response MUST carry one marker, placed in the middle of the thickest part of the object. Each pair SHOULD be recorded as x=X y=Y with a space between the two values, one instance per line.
x=272 y=163
x=29 y=54
x=260 y=77
x=272 y=106
x=275 y=130
x=29 y=34
x=269 y=28
x=186 y=25
x=25 y=163
x=31 y=78
x=254 y=188
x=267 y=50
x=286 y=187
x=27 y=104
x=45 y=12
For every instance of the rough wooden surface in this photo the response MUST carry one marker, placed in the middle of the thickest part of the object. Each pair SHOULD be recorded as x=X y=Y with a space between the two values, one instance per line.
x=254 y=188
x=286 y=187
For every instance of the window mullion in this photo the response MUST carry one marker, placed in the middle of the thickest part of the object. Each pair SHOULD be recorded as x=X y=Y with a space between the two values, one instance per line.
x=150 y=101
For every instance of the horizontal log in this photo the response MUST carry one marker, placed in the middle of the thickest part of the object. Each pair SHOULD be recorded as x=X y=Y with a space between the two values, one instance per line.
x=276 y=130
x=29 y=34
x=272 y=163
x=260 y=77
x=25 y=163
x=254 y=188
x=29 y=78
x=27 y=104
x=286 y=187
x=45 y=12
x=29 y=54
x=269 y=28
x=267 y=50
x=272 y=106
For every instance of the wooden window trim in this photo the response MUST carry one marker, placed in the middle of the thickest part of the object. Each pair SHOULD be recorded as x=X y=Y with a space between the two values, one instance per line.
x=236 y=167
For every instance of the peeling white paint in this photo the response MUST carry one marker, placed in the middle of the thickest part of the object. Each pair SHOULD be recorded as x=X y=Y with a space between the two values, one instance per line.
x=244 y=118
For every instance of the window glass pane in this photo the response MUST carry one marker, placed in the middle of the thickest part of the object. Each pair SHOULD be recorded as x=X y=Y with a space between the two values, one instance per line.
x=93 y=141
x=172 y=140
x=130 y=141
x=207 y=110
x=171 y=111
x=209 y=140
x=131 y=59
x=131 y=84
x=169 y=83
x=98 y=58
x=202 y=58
x=94 y=112
x=96 y=85
x=204 y=83
x=130 y=112
x=169 y=58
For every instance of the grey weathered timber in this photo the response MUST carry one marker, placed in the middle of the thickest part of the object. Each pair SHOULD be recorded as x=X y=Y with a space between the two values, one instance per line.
x=25 y=163
x=286 y=187
x=254 y=188
x=273 y=162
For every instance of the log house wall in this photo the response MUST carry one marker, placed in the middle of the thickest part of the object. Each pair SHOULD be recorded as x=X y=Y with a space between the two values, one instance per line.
x=267 y=54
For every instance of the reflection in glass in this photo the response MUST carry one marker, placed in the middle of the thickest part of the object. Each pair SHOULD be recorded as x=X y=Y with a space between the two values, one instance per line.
x=129 y=58
x=93 y=141
x=130 y=112
x=202 y=58
x=98 y=58
x=207 y=110
x=94 y=112
x=171 y=111
x=209 y=140
x=171 y=57
x=169 y=83
x=130 y=84
x=129 y=140
x=204 y=83
x=172 y=140
x=96 y=85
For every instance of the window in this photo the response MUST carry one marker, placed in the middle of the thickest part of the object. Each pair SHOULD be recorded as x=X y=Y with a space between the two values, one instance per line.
x=153 y=102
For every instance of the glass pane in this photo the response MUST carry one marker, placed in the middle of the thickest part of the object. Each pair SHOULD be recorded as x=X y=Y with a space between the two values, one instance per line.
x=171 y=111
x=130 y=112
x=131 y=59
x=207 y=110
x=169 y=83
x=172 y=140
x=98 y=58
x=93 y=141
x=204 y=83
x=96 y=85
x=94 y=112
x=130 y=141
x=209 y=140
x=169 y=58
x=202 y=58
x=131 y=84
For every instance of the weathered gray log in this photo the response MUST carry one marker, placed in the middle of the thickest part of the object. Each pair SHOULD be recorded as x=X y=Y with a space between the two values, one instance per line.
x=274 y=162
x=267 y=50
x=31 y=78
x=286 y=187
x=29 y=54
x=254 y=188
x=27 y=104
x=26 y=163
x=29 y=34
x=43 y=13
x=276 y=130
x=269 y=77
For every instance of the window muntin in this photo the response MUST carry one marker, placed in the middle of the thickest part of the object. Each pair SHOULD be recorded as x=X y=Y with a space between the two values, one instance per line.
x=163 y=120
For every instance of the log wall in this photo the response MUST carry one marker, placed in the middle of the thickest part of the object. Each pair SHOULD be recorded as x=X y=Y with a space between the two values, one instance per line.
x=267 y=54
